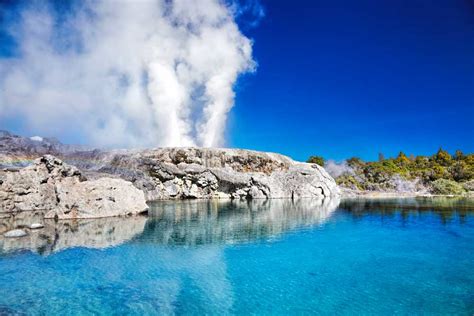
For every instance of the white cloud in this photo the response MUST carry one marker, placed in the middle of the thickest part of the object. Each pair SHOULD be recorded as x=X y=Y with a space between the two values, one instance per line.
x=127 y=73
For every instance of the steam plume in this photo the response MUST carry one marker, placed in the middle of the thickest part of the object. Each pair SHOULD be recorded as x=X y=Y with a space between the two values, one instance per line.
x=127 y=73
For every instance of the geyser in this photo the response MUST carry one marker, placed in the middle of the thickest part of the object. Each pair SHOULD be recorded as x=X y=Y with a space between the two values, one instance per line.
x=128 y=73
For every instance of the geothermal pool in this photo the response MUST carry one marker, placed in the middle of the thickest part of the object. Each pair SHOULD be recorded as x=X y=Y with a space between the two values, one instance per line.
x=407 y=256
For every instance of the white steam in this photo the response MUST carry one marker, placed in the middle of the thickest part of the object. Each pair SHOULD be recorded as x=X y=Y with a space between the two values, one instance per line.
x=336 y=169
x=127 y=73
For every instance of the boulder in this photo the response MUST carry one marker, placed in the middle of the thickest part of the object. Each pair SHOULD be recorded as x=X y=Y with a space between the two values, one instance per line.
x=61 y=190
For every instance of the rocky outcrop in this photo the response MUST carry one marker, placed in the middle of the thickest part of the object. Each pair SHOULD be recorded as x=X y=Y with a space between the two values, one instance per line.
x=183 y=173
x=176 y=173
x=61 y=190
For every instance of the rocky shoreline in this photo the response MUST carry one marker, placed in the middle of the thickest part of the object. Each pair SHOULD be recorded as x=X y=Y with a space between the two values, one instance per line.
x=80 y=184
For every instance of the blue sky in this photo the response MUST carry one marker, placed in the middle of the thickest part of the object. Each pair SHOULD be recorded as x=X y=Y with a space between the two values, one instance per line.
x=350 y=78
x=355 y=78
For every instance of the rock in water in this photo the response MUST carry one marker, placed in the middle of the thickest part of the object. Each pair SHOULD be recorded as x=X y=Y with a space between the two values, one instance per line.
x=177 y=173
x=49 y=184
x=36 y=226
x=15 y=233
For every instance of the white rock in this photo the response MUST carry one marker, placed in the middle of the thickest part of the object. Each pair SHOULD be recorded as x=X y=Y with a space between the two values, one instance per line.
x=36 y=226
x=36 y=138
x=174 y=173
x=15 y=233
x=61 y=190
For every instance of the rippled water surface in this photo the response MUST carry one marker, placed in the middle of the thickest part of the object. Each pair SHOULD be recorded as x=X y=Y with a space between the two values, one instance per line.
x=407 y=256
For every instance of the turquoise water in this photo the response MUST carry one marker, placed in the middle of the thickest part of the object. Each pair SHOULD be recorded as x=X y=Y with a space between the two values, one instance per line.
x=407 y=256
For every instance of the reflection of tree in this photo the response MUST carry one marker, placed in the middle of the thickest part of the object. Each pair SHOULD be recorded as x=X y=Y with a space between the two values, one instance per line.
x=445 y=207
x=208 y=222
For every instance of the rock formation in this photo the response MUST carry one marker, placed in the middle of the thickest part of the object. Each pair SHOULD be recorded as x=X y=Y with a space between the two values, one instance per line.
x=61 y=190
x=168 y=173
x=177 y=173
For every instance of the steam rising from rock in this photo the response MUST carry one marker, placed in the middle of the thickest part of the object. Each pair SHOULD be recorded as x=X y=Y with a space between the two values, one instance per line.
x=336 y=169
x=127 y=73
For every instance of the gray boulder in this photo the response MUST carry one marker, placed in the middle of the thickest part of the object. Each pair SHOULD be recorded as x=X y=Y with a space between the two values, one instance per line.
x=51 y=185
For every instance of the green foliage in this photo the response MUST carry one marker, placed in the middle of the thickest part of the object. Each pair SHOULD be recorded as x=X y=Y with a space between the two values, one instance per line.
x=444 y=187
x=443 y=158
x=349 y=181
x=402 y=159
x=459 y=155
x=469 y=185
x=375 y=175
x=317 y=160
x=355 y=162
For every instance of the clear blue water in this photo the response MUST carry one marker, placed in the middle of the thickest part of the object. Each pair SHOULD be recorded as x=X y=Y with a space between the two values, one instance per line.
x=409 y=256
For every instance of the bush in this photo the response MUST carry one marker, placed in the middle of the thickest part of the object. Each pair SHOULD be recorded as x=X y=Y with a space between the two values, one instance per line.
x=469 y=185
x=317 y=160
x=445 y=187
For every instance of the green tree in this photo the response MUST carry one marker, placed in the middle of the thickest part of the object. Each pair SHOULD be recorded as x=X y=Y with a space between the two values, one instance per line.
x=443 y=158
x=459 y=171
x=317 y=160
x=355 y=162
x=402 y=159
x=458 y=155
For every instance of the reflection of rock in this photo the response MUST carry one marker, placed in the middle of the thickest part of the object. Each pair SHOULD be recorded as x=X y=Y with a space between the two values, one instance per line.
x=49 y=184
x=15 y=233
x=56 y=236
x=205 y=222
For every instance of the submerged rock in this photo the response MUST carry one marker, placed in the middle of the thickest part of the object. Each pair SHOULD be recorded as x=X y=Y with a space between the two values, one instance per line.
x=15 y=233
x=51 y=185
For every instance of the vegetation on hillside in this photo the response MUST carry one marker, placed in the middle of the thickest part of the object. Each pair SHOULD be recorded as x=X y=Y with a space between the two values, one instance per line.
x=441 y=173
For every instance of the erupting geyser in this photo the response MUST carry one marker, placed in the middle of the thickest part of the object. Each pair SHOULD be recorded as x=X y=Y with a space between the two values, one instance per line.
x=128 y=73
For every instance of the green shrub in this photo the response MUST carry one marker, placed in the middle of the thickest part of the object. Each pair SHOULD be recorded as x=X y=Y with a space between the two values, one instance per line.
x=444 y=187
x=317 y=160
x=469 y=185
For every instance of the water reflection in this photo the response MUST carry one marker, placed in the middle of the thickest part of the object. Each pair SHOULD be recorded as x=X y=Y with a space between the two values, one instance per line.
x=57 y=236
x=445 y=208
x=189 y=222
x=210 y=222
